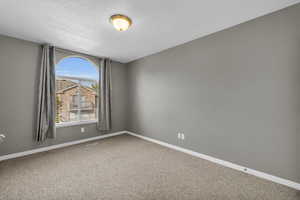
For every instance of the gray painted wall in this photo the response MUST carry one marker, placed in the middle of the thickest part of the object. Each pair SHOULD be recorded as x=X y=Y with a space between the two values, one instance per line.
x=19 y=63
x=235 y=94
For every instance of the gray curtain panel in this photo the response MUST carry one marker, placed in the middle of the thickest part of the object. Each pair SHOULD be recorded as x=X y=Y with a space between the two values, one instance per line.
x=104 y=97
x=45 y=125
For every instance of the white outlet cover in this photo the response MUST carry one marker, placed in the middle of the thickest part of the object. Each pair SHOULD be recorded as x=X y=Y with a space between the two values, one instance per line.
x=182 y=136
x=2 y=137
x=82 y=130
x=179 y=135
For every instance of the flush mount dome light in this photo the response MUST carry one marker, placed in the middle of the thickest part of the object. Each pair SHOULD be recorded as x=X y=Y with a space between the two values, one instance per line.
x=120 y=22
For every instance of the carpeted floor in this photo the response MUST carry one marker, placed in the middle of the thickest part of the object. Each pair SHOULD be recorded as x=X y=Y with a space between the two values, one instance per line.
x=128 y=168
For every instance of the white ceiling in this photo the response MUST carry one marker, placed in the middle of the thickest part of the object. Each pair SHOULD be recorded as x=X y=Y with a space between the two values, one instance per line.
x=83 y=25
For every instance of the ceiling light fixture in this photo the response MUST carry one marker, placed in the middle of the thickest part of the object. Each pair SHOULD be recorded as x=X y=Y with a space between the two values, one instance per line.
x=120 y=22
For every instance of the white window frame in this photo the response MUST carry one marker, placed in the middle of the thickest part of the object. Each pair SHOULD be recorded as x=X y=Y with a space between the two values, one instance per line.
x=76 y=123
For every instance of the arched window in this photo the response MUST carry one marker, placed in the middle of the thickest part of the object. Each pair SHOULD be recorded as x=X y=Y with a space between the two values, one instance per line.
x=77 y=86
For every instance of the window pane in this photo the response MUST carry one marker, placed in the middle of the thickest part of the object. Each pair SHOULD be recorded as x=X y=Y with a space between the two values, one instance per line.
x=76 y=90
x=77 y=67
x=88 y=100
x=67 y=100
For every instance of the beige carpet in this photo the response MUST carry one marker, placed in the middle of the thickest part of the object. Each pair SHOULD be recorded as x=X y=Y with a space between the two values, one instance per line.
x=128 y=168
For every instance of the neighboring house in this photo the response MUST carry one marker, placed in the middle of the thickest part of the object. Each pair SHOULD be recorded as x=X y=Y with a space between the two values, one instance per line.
x=75 y=102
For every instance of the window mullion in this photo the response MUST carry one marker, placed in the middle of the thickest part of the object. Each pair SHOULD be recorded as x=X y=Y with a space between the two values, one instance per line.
x=79 y=101
x=97 y=99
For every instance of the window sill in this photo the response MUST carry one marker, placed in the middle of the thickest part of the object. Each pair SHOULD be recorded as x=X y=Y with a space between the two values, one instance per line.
x=68 y=124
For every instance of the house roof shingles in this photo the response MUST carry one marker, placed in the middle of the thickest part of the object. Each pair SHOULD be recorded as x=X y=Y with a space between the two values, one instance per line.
x=64 y=84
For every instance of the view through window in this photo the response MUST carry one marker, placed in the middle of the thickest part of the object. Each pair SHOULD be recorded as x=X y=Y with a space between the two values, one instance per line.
x=76 y=90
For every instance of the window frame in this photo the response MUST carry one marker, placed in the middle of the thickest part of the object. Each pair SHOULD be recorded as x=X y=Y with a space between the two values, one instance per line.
x=78 y=122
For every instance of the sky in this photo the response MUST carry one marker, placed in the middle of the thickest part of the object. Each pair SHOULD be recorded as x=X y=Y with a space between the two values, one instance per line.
x=78 y=67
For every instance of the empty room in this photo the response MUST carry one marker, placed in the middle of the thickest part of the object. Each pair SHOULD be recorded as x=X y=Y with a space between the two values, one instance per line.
x=149 y=100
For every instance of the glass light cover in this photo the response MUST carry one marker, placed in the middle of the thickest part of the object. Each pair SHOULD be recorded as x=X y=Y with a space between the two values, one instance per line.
x=120 y=22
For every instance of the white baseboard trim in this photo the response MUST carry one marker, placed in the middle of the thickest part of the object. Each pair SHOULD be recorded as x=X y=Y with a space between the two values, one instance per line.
x=57 y=146
x=223 y=162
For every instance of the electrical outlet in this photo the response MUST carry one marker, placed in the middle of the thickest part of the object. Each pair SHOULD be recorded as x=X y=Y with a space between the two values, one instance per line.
x=2 y=137
x=180 y=136
x=82 y=129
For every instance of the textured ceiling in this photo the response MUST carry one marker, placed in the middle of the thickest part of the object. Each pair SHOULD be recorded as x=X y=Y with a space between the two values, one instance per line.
x=83 y=25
